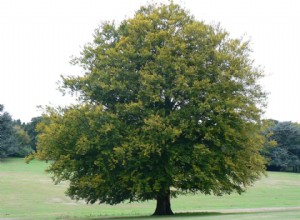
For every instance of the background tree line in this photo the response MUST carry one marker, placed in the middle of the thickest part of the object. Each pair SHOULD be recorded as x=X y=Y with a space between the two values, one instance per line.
x=17 y=139
x=284 y=153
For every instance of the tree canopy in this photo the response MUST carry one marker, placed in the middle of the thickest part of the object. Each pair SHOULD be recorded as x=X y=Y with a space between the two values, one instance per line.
x=168 y=105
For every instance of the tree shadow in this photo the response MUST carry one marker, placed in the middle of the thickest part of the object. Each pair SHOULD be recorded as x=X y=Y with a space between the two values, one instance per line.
x=175 y=216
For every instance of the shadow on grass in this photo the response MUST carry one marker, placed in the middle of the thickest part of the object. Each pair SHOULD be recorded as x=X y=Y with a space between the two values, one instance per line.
x=185 y=215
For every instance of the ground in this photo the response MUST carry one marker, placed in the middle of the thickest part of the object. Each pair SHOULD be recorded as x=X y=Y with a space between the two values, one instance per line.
x=28 y=193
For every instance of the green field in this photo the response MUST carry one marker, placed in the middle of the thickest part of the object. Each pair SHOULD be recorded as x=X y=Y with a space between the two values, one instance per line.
x=27 y=192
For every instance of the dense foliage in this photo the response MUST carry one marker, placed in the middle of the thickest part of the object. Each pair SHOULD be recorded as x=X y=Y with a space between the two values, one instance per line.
x=168 y=105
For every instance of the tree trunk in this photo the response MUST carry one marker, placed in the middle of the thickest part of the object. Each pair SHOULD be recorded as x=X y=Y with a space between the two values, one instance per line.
x=163 y=204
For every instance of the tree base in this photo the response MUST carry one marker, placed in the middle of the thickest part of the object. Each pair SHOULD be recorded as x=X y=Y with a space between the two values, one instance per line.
x=169 y=212
x=163 y=205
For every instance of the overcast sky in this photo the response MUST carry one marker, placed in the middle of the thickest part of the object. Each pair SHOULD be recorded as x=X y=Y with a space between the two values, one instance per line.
x=38 y=37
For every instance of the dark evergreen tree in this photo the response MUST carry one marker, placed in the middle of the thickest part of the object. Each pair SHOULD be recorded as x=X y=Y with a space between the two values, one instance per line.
x=7 y=138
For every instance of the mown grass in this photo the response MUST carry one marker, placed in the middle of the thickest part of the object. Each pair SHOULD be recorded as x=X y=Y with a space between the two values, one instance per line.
x=26 y=191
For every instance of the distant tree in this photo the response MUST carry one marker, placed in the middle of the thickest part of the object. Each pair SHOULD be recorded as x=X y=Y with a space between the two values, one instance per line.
x=30 y=128
x=169 y=105
x=21 y=142
x=286 y=155
x=7 y=141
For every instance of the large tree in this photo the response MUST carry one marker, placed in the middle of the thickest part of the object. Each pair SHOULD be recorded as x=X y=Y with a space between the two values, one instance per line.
x=168 y=105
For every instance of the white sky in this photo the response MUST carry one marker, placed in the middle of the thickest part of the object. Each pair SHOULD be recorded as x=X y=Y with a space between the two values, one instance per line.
x=38 y=37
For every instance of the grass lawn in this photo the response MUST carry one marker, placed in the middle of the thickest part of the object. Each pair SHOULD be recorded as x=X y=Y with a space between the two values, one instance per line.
x=27 y=192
